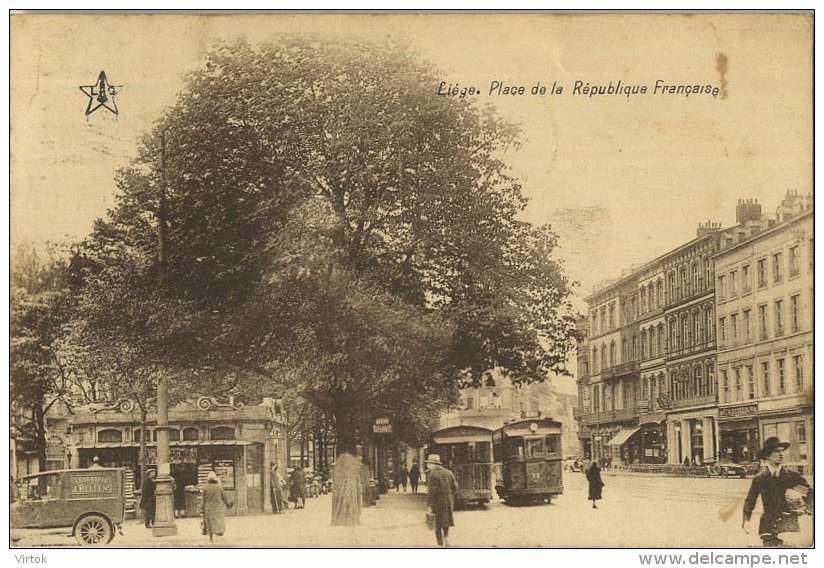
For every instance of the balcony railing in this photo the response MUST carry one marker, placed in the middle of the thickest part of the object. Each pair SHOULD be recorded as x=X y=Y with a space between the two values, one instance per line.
x=606 y=416
x=621 y=369
x=695 y=401
x=672 y=353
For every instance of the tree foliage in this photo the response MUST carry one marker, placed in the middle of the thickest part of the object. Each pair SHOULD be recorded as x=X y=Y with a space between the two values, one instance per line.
x=40 y=376
x=335 y=227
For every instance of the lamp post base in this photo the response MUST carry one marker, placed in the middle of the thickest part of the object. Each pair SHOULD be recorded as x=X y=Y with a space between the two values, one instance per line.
x=164 y=524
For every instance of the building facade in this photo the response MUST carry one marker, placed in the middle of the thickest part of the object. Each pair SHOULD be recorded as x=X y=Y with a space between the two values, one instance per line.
x=725 y=353
x=764 y=301
x=610 y=419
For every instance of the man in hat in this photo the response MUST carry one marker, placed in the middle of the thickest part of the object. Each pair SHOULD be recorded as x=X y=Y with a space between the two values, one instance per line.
x=441 y=488
x=95 y=463
x=772 y=484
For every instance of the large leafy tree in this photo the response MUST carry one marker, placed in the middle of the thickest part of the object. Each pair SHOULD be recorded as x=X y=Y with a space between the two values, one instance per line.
x=337 y=227
x=40 y=375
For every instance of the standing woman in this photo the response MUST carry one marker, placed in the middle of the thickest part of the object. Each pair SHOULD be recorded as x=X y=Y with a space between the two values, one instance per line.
x=595 y=483
x=297 y=488
x=214 y=505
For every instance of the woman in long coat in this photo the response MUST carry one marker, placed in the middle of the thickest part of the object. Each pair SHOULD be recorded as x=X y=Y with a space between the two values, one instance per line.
x=297 y=488
x=595 y=483
x=214 y=505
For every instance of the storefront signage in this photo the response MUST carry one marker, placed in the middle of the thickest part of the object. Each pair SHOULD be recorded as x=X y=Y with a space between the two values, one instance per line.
x=728 y=412
x=91 y=485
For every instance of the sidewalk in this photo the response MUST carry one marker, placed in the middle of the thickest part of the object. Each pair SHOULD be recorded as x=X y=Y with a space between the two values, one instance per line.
x=397 y=521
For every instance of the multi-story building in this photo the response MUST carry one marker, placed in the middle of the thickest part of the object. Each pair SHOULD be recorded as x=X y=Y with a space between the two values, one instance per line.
x=737 y=301
x=611 y=417
x=764 y=299
x=690 y=397
x=652 y=387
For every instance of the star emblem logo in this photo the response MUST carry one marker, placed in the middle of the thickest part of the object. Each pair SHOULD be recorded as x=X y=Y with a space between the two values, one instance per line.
x=101 y=94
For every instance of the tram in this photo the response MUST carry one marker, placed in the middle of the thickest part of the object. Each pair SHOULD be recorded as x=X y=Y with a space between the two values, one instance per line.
x=528 y=461
x=467 y=452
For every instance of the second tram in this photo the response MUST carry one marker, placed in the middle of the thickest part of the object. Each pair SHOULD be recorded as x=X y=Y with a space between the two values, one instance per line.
x=467 y=452
x=529 y=461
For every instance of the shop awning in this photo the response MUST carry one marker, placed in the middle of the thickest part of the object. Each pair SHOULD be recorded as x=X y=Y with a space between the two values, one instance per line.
x=622 y=436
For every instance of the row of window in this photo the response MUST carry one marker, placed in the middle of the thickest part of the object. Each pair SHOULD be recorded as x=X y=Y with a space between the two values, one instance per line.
x=784 y=375
x=734 y=329
x=111 y=435
x=740 y=383
x=738 y=281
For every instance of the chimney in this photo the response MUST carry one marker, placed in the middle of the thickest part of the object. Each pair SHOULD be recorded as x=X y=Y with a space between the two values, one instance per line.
x=747 y=210
x=707 y=228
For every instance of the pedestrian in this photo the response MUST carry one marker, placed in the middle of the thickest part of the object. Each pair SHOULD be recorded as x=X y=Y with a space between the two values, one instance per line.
x=595 y=483
x=213 y=507
x=775 y=483
x=442 y=489
x=147 y=498
x=95 y=463
x=297 y=488
x=179 y=496
x=401 y=478
x=276 y=484
x=414 y=477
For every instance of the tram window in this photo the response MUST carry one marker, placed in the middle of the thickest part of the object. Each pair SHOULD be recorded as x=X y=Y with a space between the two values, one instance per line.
x=552 y=444
x=535 y=448
x=515 y=449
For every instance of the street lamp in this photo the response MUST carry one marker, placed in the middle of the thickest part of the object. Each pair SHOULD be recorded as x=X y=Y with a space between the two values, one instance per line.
x=164 y=524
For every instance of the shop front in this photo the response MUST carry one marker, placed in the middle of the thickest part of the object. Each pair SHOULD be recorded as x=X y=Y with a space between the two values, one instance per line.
x=236 y=443
x=653 y=443
x=738 y=433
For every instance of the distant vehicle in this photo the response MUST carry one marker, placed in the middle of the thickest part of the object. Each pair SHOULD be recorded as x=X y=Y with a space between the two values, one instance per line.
x=529 y=457
x=725 y=469
x=92 y=502
x=467 y=452
x=572 y=463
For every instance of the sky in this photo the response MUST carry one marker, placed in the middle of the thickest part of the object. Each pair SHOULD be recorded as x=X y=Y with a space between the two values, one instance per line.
x=622 y=179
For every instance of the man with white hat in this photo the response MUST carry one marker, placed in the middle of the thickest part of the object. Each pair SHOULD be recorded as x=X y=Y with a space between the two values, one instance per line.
x=441 y=488
x=773 y=483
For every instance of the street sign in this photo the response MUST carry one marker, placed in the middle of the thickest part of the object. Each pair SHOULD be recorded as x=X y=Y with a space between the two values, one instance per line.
x=382 y=426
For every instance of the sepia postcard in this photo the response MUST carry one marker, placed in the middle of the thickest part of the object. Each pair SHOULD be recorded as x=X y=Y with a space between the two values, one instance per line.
x=377 y=280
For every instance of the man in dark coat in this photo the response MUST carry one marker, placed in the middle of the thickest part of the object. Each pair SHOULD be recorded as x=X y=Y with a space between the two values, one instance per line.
x=442 y=488
x=414 y=476
x=773 y=483
x=147 y=498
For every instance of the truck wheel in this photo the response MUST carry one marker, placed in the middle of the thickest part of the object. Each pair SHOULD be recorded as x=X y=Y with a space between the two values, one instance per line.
x=93 y=530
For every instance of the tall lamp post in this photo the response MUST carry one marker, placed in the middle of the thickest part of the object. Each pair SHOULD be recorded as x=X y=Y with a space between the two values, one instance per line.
x=164 y=524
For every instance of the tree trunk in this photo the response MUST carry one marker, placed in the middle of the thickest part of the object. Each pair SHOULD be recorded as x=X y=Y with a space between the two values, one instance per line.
x=40 y=441
x=347 y=491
